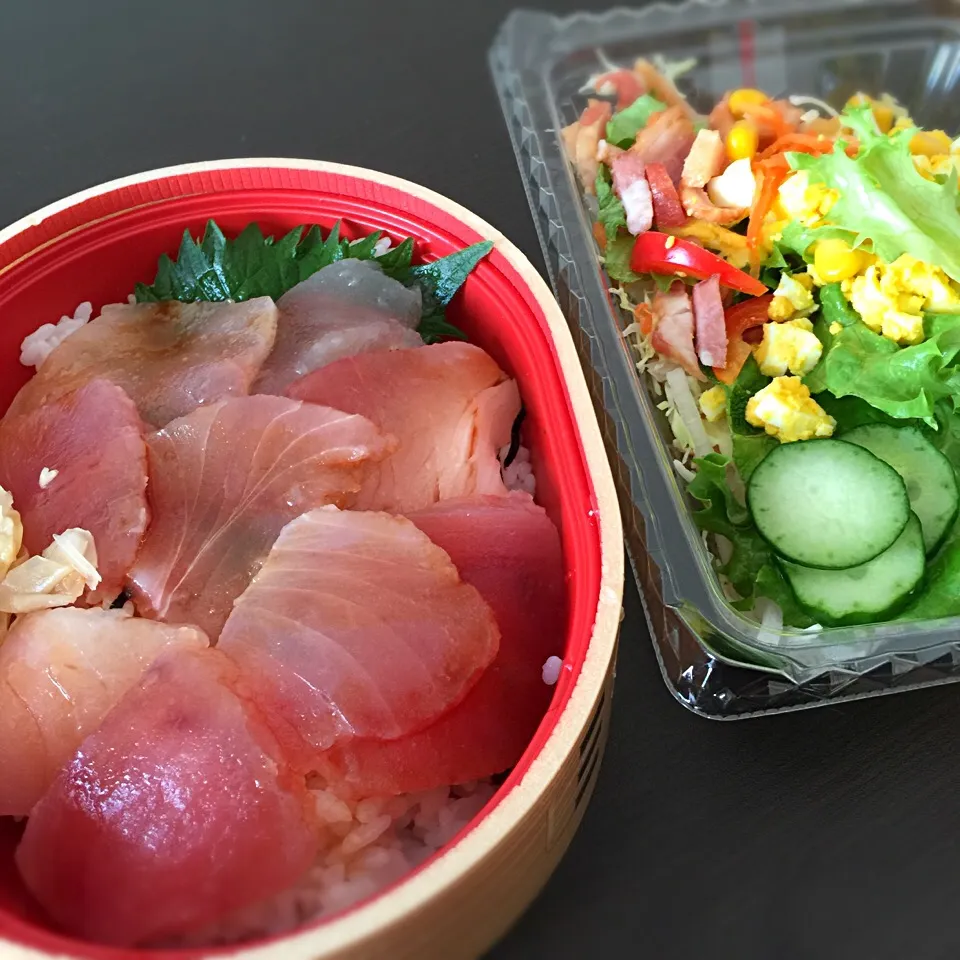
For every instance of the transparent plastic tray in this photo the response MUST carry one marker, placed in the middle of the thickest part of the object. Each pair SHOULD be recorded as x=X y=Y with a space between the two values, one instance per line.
x=716 y=661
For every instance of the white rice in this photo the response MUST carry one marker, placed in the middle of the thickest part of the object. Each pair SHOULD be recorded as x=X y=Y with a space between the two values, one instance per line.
x=41 y=343
x=519 y=474
x=367 y=846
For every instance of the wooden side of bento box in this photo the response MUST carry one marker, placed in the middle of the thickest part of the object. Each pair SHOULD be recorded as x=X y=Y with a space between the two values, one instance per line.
x=458 y=905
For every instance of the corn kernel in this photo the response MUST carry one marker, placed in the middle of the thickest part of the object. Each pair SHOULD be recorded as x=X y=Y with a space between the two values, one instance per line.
x=834 y=260
x=741 y=100
x=930 y=143
x=742 y=141
x=882 y=112
x=804 y=279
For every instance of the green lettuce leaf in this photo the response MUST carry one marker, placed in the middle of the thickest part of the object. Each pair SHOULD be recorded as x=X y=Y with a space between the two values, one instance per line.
x=773 y=584
x=624 y=125
x=904 y=382
x=749 y=451
x=610 y=210
x=616 y=259
x=883 y=199
x=940 y=594
x=748 y=382
x=752 y=567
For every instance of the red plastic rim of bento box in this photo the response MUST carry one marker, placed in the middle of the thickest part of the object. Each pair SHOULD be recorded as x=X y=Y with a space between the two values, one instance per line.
x=96 y=244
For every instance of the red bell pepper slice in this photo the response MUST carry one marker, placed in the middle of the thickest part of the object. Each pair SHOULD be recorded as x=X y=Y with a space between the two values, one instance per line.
x=745 y=314
x=738 y=319
x=659 y=253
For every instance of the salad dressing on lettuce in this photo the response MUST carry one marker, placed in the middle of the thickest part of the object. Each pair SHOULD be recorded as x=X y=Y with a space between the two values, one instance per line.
x=793 y=272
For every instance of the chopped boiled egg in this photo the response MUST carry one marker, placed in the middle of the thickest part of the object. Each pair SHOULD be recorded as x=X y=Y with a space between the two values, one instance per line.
x=804 y=201
x=788 y=346
x=793 y=297
x=785 y=409
x=713 y=403
x=891 y=298
x=735 y=186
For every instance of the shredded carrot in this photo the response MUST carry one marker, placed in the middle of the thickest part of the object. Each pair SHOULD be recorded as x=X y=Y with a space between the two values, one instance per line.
x=772 y=173
x=600 y=235
x=798 y=143
x=644 y=317
x=764 y=113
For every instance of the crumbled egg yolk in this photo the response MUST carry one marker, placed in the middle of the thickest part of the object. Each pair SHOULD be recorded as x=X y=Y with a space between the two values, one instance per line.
x=793 y=297
x=788 y=346
x=804 y=201
x=891 y=297
x=713 y=403
x=785 y=409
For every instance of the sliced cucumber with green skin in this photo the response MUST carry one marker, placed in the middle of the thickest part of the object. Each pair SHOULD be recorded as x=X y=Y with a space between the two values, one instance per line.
x=827 y=503
x=875 y=590
x=929 y=477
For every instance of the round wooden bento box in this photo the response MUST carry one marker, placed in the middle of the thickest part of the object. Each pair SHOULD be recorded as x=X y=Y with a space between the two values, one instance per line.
x=96 y=244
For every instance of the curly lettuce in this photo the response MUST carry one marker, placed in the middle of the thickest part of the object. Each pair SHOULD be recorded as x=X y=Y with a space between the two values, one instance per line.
x=883 y=199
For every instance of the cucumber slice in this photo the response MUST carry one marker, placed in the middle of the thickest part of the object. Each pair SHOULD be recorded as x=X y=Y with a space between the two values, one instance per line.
x=929 y=477
x=876 y=590
x=827 y=503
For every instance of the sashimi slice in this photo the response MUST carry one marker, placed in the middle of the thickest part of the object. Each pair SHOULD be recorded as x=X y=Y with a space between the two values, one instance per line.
x=178 y=810
x=80 y=461
x=358 y=626
x=432 y=399
x=347 y=308
x=509 y=550
x=169 y=357
x=224 y=481
x=61 y=671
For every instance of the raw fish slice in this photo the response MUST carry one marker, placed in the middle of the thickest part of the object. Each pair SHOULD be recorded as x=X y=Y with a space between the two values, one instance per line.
x=224 y=481
x=169 y=357
x=433 y=401
x=347 y=308
x=176 y=811
x=61 y=671
x=358 y=625
x=509 y=550
x=91 y=443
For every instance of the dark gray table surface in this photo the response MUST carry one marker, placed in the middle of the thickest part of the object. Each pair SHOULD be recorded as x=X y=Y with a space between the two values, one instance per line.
x=828 y=833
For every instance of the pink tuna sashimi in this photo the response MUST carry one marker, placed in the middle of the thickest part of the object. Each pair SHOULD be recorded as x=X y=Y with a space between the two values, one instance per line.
x=509 y=550
x=169 y=357
x=224 y=481
x=178 y=810
x=347 y=308
x=433 y=400
x=93 y=440
x=357 y=625
x=61 y=671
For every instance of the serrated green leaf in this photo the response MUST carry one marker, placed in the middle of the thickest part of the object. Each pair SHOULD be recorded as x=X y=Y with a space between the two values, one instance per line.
x=396 y=261
x=443 y=278
x=362 y=249
x=252 y=265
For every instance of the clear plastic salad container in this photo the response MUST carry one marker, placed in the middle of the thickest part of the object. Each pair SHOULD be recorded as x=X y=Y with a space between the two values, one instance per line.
x=716 y=661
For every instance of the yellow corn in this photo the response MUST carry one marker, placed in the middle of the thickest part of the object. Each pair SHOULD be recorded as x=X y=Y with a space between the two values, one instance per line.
x=742 y=141
x=882 y=112
x=744 y=98
x=930 y=143
x=834 y=260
